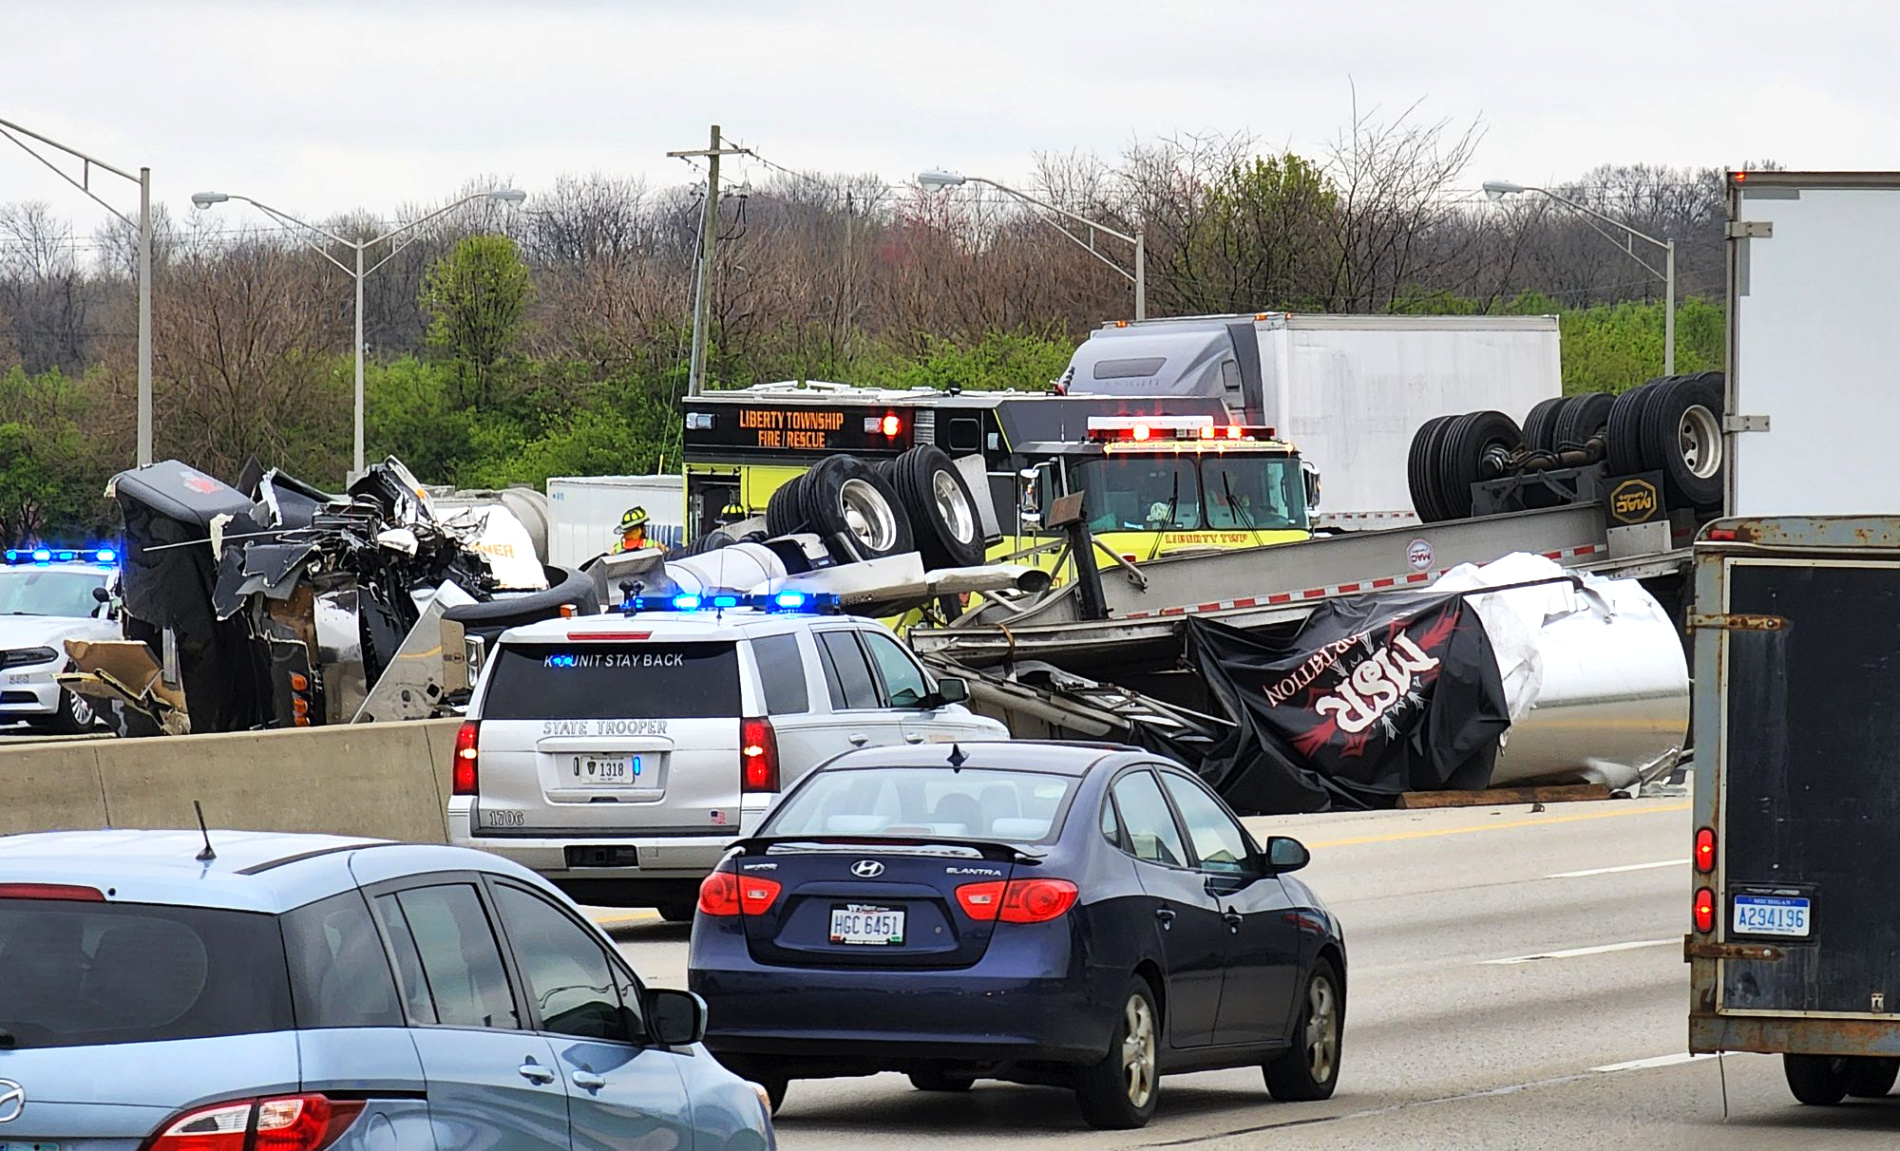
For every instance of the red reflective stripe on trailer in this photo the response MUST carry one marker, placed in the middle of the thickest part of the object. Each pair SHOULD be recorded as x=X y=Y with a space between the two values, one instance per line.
x=1313 y=593
x=1418 y=577
x=1248 y=602
x=1207 y=607
x=1280 y=597
x=1173 y=611
x=1347 y=587
x=1387 y=582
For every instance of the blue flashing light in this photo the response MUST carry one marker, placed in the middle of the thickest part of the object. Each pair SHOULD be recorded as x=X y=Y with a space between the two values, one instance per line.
x=687 y=602
x=106 y=556
x=13 y=555
x=42 y=556
x=722 y=602
x=790 y=601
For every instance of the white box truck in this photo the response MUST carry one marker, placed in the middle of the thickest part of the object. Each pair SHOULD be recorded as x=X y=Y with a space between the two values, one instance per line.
x=1348 y=391
x=1792 y=942
x=584 y=513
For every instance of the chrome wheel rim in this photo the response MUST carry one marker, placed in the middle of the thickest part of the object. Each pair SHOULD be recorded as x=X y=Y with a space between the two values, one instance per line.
x=1322 y=1030
x=868 y=515
x=1138 y=1051
x=952 y=507
x=1699 y=438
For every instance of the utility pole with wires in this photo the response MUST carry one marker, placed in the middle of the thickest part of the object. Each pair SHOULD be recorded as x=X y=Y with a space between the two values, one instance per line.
x=708 y=236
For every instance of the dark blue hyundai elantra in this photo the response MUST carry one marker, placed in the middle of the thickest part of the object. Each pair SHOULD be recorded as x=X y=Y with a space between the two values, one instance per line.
x=1079 y=915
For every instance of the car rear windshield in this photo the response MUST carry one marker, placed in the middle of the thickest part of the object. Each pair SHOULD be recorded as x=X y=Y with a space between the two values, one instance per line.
x=613 y=681
x=79 y=974
x=908 y=802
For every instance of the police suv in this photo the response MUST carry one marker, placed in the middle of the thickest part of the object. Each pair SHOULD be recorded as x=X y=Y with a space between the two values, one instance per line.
x=619 y=755
x=48 y=596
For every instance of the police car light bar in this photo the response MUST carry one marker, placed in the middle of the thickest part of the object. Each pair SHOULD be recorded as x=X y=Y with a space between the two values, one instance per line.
x=789 y=602
x=103 y=556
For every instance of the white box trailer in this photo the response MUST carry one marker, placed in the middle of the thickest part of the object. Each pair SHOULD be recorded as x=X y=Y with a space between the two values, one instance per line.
x=584 y=513
x=1349 y=391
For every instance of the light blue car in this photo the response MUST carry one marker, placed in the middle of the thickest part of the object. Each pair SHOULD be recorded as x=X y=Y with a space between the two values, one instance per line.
x=301 y=992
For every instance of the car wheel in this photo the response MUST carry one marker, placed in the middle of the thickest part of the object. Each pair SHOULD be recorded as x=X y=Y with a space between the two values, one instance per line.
x=676 y=912
x=1119 y=1093
x=1309 y=1071
x=938 y=1081
x=72 y=715
x=1820 y=1080
x=1872 y=1078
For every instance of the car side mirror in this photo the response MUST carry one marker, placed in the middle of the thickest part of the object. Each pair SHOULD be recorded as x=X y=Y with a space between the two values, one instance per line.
x=1284 y=854
x=952 y=689
x=675 y=1018
x=100 y=594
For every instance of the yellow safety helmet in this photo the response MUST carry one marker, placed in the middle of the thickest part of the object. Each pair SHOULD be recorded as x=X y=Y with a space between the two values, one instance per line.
x=636 y=517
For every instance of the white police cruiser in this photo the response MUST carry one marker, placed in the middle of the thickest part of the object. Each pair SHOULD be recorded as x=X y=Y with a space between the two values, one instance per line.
x=48 y=596
x=619 y=755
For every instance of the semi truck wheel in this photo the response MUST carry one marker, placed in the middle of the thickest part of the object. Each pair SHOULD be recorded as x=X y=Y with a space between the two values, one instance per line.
x=782 y=512
x=1628 y=451
x=1818 y=1080
x=1540 y=427
x=1421 y=466
x=1682 y=437
x=843 y=496
x=1583 y=419
x=1462 y=462
x=1872 y=1078
x=942 y=510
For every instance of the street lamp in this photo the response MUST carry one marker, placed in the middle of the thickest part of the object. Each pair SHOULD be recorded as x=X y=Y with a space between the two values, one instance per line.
x=84 y=184
x=1498 y=189
x=496 y=195
x=936 y=181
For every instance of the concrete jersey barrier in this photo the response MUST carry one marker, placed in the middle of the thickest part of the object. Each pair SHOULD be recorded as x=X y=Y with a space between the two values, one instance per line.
x=386 y=780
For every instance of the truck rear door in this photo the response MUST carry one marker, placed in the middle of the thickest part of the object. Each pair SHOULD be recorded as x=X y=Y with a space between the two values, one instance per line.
x=1808 y=782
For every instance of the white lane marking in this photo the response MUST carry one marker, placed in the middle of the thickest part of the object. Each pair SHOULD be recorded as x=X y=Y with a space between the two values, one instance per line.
x=1577 y=952
x=1614 y=870
x=1653 y=1061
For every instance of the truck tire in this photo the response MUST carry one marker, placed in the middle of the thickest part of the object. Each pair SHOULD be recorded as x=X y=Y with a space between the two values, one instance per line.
x=1682 y=438
x=942 y=511
x=1818 y=1080
x=1540 y=426
x=782 y=512
x=1466 y=443
x=1625 y=456
x=1421 y=464
x=1435 y=468
x=1872 y=1078
x=844 y=496
x=1583 y=419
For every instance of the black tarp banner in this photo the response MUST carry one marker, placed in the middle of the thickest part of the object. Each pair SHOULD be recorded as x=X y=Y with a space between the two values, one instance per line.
x=1373 y=696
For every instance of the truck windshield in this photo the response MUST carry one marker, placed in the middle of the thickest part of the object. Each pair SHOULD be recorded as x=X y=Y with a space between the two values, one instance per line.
x=1254 y=492
x=1133 y=493
x=1245 y=492
x=24 y=591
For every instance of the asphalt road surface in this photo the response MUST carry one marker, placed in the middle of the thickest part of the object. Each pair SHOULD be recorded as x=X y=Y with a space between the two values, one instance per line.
x=1516 y=982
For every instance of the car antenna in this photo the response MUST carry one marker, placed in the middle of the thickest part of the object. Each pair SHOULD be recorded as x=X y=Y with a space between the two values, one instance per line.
x=207 y=855
x=956 y=758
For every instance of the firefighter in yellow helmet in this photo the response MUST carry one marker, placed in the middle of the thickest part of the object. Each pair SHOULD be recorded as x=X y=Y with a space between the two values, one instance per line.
x=732 y=513
x=633 y=530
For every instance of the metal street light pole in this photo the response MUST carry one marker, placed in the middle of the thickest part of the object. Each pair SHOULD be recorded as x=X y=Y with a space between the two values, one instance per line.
x=499 y=195
x=84 y=184
x=1498 y=189
x=938 y=180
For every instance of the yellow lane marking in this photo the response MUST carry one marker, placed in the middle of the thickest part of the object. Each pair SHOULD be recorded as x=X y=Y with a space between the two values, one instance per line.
x=1397 y=835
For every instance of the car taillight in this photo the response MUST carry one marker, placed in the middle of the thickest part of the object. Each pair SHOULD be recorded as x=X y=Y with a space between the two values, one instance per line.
x=281 y=1123
x=1704 y=910
x=1705 y=850
x=72 y=892
x=724 y=894
x=1018 y=901
x=758 y=756
x=465 y=776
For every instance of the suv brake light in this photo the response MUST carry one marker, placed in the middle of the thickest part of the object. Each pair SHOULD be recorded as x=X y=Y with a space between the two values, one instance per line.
x=465 y=775
x=1018 y=901
x=280 y=1123
x=71 y=892
x=758 y=756
x=725 y=894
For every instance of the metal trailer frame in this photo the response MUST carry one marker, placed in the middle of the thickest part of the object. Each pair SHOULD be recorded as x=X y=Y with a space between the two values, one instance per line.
x=1714 y=1024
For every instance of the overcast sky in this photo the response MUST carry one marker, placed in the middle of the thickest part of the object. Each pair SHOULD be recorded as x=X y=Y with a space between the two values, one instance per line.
x=322 y=107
